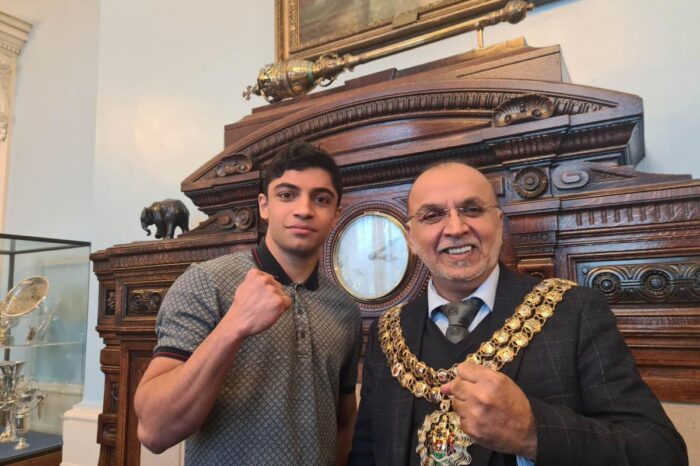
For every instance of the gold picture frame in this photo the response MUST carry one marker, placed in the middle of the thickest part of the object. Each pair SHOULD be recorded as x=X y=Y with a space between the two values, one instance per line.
x=307 y=29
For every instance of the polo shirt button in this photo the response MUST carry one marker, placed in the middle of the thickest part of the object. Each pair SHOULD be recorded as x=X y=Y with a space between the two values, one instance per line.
x=302 y=334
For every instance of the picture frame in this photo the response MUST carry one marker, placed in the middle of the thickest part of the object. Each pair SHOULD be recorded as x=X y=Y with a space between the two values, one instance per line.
x=307 y=29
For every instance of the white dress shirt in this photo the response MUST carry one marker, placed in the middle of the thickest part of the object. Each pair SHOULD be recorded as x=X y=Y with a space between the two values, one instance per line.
x=487 y=293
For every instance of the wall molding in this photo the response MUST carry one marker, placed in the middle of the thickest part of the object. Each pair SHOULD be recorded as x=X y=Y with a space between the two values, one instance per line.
x=13 y=35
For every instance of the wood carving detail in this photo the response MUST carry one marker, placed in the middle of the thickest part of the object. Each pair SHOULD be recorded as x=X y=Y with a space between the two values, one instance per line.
x=564 y=106
x=145 y=300
x=530 y=182
x=616 y=134
x=677 y=210
x=234 y=164
x=537 y=267
x=113 y=396
x=425 y=103
x=241 y=219
x=521 y=109
x=540 y=144
x=666 y=283
x=107 y=429
x=110 y=302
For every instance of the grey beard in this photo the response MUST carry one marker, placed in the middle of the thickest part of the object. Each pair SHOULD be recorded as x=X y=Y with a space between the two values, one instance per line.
x=437 y=271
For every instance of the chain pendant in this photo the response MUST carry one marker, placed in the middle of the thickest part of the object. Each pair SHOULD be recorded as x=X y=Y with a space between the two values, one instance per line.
x=441 y=441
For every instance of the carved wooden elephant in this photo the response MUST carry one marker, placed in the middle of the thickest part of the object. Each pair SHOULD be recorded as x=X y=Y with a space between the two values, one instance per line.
x=166 y=215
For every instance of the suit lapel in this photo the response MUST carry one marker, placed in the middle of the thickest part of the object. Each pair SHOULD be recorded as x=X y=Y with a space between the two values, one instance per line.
x=412 y=324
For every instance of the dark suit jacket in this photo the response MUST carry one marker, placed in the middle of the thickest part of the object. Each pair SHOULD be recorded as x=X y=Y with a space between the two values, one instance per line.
x=590 y=405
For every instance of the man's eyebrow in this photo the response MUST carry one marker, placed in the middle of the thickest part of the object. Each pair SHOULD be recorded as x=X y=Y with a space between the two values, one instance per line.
x=466 y=201
x=294 y=187
x=287 y=186
x=324 y=191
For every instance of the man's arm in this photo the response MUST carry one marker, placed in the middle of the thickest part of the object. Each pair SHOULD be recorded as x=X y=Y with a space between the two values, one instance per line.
x=620 y=416
x=174 y=398
x=347 y=412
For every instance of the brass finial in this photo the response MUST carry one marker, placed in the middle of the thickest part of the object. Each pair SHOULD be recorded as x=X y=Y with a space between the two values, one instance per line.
x=291 y=78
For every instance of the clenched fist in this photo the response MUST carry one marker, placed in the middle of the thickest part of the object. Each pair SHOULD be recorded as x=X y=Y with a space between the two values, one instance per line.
x=257 y=304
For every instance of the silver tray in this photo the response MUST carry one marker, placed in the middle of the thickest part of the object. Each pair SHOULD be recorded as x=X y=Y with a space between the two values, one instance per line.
x=25 y=297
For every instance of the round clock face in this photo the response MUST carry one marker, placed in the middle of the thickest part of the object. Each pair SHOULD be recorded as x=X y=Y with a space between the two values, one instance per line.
x=371 y=256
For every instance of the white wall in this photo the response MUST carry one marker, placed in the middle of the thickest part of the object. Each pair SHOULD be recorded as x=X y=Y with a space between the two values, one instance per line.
x=105 y=127
x=53 y=143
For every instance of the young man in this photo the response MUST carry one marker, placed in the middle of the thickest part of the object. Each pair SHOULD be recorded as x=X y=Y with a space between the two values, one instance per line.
x=256 y=361
x=571 y=394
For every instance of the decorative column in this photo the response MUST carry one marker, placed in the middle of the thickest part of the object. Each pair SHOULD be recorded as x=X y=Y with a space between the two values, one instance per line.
x=13 y=34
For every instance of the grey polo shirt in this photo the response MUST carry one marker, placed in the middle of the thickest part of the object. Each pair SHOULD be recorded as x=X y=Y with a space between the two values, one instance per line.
x=278 y=403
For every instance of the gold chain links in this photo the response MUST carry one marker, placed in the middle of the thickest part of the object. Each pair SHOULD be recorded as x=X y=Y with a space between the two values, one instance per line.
x=424 y=381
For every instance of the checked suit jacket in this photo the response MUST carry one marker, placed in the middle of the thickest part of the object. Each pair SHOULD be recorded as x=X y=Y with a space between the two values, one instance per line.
x=590 y=405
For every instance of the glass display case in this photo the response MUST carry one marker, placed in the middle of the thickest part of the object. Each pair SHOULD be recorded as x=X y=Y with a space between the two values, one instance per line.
x=43 y=324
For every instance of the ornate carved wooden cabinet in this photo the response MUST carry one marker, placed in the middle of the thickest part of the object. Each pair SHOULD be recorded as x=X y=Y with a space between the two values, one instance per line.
x=560 y=156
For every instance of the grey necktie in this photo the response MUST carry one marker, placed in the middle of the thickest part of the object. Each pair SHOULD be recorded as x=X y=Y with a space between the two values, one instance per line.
x=460 y=315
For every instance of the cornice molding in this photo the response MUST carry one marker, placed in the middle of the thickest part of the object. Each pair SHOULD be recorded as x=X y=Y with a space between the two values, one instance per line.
x=14 y=33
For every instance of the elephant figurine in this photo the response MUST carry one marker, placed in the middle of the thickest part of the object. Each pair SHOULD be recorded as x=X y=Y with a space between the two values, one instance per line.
x=166 y=215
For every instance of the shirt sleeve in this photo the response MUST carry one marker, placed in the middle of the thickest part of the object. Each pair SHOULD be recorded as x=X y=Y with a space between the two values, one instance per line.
x=188 y=314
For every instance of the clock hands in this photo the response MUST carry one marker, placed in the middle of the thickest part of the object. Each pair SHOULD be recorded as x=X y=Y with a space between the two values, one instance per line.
x=378 y=256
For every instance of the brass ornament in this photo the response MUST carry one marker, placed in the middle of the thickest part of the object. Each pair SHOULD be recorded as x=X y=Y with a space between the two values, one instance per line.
x=278 y=81
x=441 y=440
x=292 y=78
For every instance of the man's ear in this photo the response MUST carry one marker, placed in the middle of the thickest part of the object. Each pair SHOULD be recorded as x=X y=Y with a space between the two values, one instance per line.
x=409 y=238
x=262 y=206
x=338 y=211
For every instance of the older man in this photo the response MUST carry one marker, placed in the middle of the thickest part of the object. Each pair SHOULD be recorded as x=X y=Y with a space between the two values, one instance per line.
x=541 y=374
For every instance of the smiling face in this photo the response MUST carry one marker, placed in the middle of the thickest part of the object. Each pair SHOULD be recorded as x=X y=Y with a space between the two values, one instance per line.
x=460 y=252
x=301 y=208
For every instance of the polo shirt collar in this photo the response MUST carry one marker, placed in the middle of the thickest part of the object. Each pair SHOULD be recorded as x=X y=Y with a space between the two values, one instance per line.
x=268 y=264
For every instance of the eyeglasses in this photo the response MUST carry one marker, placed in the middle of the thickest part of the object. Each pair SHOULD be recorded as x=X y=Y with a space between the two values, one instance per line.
x=433 y=215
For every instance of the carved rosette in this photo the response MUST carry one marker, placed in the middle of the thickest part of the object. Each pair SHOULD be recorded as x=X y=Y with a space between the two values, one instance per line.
x=664 y=282
x=530 y=182
x=610 y=284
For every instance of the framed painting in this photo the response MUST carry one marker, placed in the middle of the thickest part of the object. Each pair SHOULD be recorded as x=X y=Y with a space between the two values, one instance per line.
x=306 y=29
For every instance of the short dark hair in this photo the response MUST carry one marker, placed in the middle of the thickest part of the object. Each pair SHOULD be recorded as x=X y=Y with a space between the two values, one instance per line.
x=300 y=155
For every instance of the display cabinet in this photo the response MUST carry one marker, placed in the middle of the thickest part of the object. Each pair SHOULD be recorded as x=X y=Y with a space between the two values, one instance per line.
x=43 y=323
